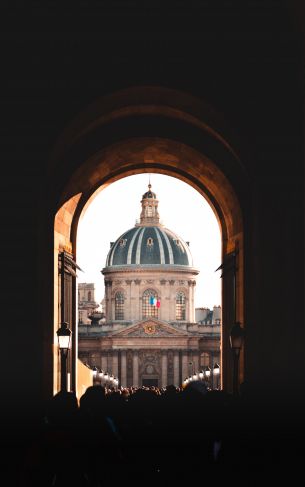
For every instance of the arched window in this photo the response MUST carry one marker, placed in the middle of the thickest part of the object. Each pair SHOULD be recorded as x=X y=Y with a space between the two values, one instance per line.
x=150 y=304
x=119 y=306
x=89 y=295
x=180 y=306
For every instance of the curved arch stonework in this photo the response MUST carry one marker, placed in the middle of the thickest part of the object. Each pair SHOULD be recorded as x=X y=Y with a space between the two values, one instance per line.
x=173 y=134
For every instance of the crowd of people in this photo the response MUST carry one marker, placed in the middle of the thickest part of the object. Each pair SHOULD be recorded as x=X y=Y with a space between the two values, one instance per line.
x=112 y=436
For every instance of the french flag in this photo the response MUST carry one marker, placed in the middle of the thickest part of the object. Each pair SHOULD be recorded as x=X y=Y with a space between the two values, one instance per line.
x=153 y=301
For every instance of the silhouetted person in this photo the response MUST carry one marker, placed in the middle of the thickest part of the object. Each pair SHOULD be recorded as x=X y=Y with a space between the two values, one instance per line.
x=99 y=439
x=49 y=458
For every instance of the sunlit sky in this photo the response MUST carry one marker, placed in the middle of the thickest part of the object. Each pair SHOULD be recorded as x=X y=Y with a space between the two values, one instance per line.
x=181 y=208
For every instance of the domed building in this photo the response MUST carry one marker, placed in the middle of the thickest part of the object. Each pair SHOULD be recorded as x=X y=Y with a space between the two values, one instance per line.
x=149 y=336
x=149 y=263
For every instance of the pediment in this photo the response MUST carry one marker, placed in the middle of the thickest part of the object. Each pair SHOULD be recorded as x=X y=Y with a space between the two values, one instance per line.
x=150 y=328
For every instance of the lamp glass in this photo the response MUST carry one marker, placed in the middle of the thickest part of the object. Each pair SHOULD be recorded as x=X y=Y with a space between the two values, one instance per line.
x=236 y=336
x=64 y=335
x=216 y=369
x=64 y=342
x=236 y=342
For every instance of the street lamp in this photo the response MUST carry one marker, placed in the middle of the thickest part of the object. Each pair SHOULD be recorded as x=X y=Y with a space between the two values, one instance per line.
x=64 y=343
x=236 y=342
x=94 y=373
x=216 y=372
x=207 y=373
x=106 y=378
x=101 y=376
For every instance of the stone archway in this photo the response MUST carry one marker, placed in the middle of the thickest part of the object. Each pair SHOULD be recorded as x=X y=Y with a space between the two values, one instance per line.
x=150 y=130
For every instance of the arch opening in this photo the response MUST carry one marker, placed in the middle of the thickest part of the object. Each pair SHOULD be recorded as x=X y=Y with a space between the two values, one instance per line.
x=143 y=263
x=165 y=156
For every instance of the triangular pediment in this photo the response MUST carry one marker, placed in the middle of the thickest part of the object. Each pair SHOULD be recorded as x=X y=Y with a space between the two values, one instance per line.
x=150 y=328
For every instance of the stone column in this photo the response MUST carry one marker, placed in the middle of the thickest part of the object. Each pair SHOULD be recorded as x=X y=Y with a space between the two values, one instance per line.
x=185 y=366
x=163 y=296
x=135 y=368
x=176 y=368
x=164 y=369
x=108 y=290
x=115 y=363
x=123 y=381
x=192 y=307
x=109 y=361
x=196 y=361
x=137 y=305
x=189 y=302
x=104 y=364
x=128 y=313
x=172 y=301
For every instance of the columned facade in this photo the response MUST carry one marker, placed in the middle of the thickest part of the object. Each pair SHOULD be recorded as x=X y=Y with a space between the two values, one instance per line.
x=159 y=353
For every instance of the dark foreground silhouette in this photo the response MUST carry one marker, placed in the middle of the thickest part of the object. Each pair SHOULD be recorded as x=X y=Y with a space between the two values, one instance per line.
x=146 y=435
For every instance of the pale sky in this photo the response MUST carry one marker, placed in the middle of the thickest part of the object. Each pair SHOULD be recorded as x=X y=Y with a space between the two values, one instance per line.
x=181 y=208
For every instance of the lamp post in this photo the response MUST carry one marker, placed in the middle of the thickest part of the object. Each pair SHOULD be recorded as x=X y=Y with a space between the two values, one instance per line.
x=106 y=378
x=207 y=373
x=64 y=343
x=101 y=377
x=236 y=343
x=216 y=372
x=94 y=374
